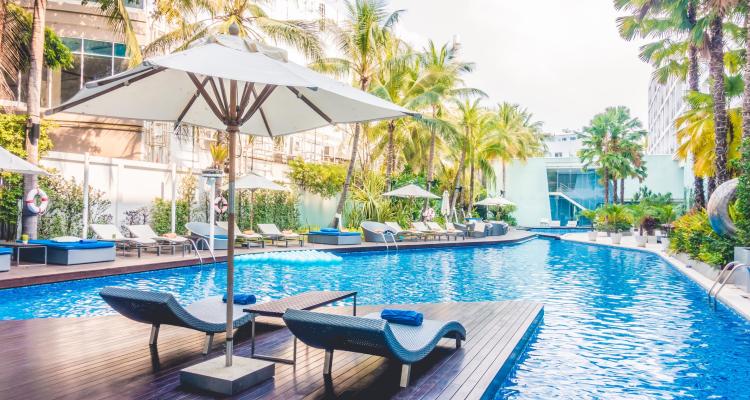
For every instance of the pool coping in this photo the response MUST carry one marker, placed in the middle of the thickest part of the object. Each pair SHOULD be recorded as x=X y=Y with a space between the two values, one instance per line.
x=734 y=298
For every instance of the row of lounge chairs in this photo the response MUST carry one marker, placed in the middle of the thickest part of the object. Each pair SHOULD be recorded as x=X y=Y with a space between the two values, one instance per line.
x=368 y=335
x=392 y=231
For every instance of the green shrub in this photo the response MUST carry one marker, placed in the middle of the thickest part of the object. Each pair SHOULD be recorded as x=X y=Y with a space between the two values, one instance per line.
x=161 y=216
x=64 y=216
x=270 y=207
x=693 y=235
x=325 y=180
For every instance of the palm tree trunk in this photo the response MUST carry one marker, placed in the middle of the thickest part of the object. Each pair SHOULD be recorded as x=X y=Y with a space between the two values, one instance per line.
x=471 y=186
x=614 y=191
x=746 y=98
x=430 y=160
x=33 y=106
x=456 y=180
x=622 y=190
x=716 y=69
x=711 y=186
x=390 y=157
x=352 y=161
x=606 y=186
x=699 y=197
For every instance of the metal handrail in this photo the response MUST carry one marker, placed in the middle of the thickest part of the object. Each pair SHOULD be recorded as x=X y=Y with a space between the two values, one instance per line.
x=393 y=237
x=730 y=268
x=197 y=252
x=385 y=242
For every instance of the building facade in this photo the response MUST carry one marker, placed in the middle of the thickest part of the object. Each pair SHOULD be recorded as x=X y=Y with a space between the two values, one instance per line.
x=562 y=145
x=127 y=154
x=665 y=103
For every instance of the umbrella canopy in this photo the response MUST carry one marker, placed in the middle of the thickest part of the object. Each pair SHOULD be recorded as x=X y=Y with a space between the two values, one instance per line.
x=253 y=181
x=445 y=204
x=495 y=201
x=411 y=191
x=230 y=83
x=277 y=97
x=12 y=163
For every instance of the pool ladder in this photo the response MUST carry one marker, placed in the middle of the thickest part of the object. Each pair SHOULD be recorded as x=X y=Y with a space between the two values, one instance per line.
x=197 y=252
x=726 y=272
x=385 y=240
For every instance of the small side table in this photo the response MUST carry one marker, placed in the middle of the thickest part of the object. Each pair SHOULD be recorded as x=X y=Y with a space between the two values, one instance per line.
x=18 y=246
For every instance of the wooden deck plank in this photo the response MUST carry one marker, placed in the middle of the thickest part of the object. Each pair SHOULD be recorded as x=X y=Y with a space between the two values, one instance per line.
x=108 y=358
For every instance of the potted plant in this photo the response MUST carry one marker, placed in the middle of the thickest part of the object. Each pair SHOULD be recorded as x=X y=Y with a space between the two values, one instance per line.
x=591 y=216
x=649 y=224
x=640 y=213
x=616 y=219
x=219 y=155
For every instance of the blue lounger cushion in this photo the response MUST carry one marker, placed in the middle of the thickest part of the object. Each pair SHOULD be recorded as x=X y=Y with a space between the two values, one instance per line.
x=243 y=299
x=74 y=245
x=402 y=317
x=6 y=250
x=329 y=230
x=333 y=233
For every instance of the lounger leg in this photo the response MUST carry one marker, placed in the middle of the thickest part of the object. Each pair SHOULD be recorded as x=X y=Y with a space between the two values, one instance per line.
x=252 y=335
x=154 y=335
x=207 y=344
x=405 y=375
x=458 y=342
x=328 y=362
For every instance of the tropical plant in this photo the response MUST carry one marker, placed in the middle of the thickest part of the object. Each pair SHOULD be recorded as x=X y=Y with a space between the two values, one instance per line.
x=270 y=207
x=612 y=144
x=219 y=155
x=692 y=234
x=64 y=217
x=360 y=40
x=613 y=218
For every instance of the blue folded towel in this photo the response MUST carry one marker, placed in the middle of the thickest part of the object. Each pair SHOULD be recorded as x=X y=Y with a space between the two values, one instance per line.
x=88 y=241
x=242 y=299
x=329 y=230
x=403 y=317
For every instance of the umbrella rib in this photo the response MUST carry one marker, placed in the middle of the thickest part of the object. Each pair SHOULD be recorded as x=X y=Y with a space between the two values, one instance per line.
x=123 y=83
x=219 y=100
x=267 y=90
x=190 y=104
x=224 y=96
x=209 y=101
x=263 y=116
x=246 y=91
x=310 y=104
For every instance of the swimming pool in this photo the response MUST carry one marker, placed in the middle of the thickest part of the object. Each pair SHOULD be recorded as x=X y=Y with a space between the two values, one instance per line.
x=617 y=323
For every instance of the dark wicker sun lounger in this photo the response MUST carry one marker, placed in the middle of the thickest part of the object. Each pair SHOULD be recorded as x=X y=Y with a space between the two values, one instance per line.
x=371 y=335
x=156 y=308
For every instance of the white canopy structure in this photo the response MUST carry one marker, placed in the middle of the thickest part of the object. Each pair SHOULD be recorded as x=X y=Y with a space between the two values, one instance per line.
x=230 y=83
x=445 y=204
x=9 y=162
x=495 y=201
x=411 y=191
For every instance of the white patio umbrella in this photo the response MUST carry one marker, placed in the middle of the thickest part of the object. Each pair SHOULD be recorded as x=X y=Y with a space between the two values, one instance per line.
x=230 y=83
x=411 y=191
x=9 y=162
x=495 y=201
x=445 y=204
x=253 y=182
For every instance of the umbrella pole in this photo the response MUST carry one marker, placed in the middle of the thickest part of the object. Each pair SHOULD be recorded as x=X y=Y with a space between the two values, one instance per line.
x=233 y=130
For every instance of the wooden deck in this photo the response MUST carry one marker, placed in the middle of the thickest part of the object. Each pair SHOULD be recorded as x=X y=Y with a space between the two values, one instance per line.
x=108 y=358
x=129 y=263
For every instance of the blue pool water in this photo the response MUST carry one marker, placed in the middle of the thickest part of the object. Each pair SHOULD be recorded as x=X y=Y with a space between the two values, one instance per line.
x=559 y=231
x=617 y=323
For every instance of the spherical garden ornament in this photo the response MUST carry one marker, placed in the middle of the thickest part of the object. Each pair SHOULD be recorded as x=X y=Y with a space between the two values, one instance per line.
x=718 y=208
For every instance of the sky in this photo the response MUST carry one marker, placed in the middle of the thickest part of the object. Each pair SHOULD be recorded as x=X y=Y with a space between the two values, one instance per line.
x=563 y=60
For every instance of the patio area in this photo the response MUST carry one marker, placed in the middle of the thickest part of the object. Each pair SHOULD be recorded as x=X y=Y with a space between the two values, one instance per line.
x=108 y=357
x=32 y=275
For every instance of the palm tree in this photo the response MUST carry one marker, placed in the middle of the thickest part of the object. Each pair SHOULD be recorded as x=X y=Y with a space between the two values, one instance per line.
x=33 y=106
x=470 y=118
x=117 y=15
x=675 y=55
x=511 y=121
x=612 y=142
x=360 y=41
x=696 y=133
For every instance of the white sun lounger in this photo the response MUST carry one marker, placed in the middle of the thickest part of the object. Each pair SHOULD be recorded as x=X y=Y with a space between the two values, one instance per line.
x=398 y=231
x=242 y=237
x=272 y=232
x=146 y=232
x=110 y=233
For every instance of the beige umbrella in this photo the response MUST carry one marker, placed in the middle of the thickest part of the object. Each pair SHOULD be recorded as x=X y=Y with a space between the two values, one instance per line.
x=230 y=83
x=411 y=191
x=495 y=201
x=12 y=163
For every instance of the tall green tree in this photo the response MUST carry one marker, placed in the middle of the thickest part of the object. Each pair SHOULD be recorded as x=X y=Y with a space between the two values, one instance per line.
x=470 y=118
x=360 y=41
x=612 y=144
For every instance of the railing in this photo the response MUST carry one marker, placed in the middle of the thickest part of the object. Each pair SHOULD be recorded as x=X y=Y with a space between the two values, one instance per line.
x=727 y=270
x=197 y=252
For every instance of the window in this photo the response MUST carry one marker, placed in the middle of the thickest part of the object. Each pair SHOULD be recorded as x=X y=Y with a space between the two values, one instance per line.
x=92 y=60
x=558 y=154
